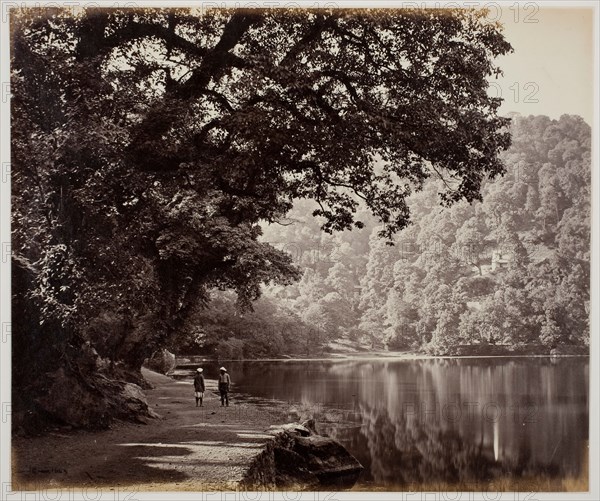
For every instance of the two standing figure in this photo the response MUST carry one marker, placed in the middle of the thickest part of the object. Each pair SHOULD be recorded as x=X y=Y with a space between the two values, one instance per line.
x=224 y=383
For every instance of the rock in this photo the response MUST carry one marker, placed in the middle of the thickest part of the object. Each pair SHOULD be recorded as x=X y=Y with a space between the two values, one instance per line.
x=311 y=425
x=292 y=472
x=92 y=401
x=135 y=399
x=326 y=458
x=59 y=400
x=300 y=429
x=299 y=459
x=65 y=376
x=163 y=361
x=133 y=392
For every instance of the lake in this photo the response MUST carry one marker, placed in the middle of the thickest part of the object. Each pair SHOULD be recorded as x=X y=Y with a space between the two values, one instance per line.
x=466 y=422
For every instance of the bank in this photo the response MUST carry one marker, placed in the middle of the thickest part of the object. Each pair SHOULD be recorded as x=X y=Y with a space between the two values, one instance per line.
x=185 y=448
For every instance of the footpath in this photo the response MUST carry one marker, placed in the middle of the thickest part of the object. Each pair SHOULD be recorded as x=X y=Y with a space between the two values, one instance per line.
x=189 y=448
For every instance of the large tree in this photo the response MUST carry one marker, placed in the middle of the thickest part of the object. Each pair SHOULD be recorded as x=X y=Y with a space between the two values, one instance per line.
x=149 y=144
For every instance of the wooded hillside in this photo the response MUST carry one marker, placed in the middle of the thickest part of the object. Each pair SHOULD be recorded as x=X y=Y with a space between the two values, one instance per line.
x=511 y=270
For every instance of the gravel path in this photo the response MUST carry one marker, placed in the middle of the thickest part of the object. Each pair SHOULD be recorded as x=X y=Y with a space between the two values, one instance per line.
x=189 y=448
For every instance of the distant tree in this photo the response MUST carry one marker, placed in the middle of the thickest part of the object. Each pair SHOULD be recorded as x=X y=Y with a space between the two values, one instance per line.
x=375 y=284
x=311 y=288
x=574 y=230
x=550 y=196
x=341 y=279
x=442 y=309
x=379 y=277
x=551 y=334
x=470 y=245
x=401 y=318
x=532 y=203
x=476 y=286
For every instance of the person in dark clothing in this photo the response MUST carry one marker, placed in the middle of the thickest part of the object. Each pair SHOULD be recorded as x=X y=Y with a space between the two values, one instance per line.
x=224 y=383
x=199 y=386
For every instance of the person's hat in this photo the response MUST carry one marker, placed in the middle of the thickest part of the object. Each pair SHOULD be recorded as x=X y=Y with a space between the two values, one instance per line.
x=199 y=369
x=223 y=369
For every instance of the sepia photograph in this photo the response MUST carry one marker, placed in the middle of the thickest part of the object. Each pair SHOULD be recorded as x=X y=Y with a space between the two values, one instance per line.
x=300 y=251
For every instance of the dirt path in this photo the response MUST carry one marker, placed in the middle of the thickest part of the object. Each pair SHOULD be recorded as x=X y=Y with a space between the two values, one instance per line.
x=189 y=448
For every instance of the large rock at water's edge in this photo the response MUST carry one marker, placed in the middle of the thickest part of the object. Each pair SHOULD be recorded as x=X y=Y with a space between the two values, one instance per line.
x=329 y=461
x=291 y=471
x=299 y=459
x=163 y=361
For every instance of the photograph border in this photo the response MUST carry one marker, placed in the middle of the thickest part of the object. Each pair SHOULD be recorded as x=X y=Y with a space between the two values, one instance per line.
x=5 y=313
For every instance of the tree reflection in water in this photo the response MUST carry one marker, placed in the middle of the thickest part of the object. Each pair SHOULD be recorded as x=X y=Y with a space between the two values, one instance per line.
x=457 y=422
x=403 y=454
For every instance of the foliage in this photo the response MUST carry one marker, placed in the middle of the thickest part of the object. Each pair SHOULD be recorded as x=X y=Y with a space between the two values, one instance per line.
x=149 y=145
x=435 y=290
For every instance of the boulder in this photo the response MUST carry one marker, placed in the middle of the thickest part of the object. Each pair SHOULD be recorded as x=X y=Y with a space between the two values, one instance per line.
x=329 y=461
x=93 y=401
x=163 y=362
x=292 y=472
x=135 y=400
x=300 y=459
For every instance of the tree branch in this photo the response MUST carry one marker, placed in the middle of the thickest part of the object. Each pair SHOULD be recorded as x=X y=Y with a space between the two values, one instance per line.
x=312 y=34
x=219 y=57
x=135 y=31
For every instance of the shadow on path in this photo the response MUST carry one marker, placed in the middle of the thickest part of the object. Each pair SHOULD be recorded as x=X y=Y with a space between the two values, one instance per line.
x=189 y=448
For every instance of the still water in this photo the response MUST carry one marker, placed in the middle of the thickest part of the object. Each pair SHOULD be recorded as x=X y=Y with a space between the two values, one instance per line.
x=454 y=421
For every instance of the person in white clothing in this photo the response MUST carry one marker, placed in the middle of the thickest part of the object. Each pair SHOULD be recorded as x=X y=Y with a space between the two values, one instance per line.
x=199 y=386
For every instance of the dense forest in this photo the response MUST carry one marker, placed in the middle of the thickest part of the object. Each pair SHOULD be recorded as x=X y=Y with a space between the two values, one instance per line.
x=510 y=271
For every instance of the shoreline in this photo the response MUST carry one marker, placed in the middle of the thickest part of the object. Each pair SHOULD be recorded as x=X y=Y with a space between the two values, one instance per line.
x=182 y=361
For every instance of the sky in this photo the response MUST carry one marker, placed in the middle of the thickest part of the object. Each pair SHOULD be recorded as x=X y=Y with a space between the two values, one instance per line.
x=551 y=70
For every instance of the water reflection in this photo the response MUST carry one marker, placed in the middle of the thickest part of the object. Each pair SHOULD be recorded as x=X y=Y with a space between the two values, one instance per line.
x=441 y=420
